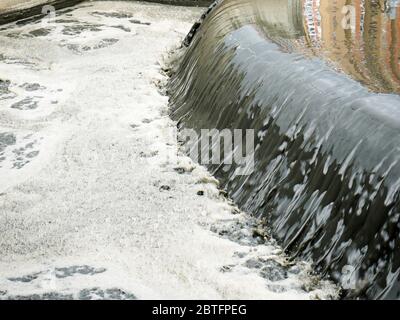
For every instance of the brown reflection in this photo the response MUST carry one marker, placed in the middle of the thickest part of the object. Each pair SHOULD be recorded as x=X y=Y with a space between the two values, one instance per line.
x=360 y=37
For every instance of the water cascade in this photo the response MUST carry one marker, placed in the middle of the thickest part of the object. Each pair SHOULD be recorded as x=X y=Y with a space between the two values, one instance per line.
x=318 y=82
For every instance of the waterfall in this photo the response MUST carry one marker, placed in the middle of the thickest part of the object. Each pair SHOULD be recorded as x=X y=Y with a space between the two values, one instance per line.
x=326 y=118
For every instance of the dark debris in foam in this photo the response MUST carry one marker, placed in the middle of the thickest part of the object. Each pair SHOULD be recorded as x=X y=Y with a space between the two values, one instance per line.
x=6 y=139
x=107 y=294
x=273 y=271
x=5 y=92
x=41 y=32
x=104 y=43
x=67 y=21
x=119 y=15
x=32 y=87
x=71 y=271
x=21 y=155
x=249 y=232
x=23 y=158
x=44 y=296
x=84 y=294
x=25 y=104
x=268 y=268
x=60 y=273
x=76 y=29
x=123 y=28
x=134 y=21
x=26 y=278
x=10 y=60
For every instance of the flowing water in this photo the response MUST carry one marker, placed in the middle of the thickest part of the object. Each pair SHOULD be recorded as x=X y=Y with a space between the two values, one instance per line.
x=318 y=81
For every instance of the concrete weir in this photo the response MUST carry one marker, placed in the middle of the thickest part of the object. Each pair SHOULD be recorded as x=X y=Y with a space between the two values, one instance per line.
x=326 y=171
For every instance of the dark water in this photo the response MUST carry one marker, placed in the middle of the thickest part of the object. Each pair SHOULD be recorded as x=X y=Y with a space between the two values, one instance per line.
x=327 y=171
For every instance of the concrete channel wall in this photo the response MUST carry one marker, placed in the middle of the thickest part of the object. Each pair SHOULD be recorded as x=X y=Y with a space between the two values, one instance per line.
x=12 y=10
x=199 y=3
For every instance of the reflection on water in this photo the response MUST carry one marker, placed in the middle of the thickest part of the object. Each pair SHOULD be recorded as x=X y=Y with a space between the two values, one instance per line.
x=360 y=37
